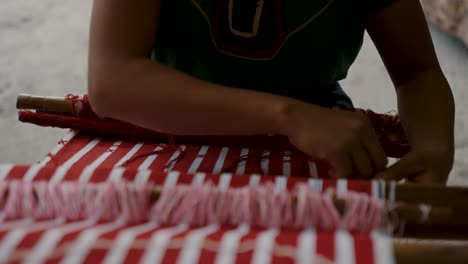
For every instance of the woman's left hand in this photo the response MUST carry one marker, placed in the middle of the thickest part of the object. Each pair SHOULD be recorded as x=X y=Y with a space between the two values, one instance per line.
x=428 y=167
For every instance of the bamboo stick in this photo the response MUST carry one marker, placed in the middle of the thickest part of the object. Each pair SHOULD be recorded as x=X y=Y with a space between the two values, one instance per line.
x=47 y=104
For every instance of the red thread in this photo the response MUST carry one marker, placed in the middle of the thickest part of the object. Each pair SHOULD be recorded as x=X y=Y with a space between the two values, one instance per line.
x=171 y=139
x=62 y=142
x=73 y=99
x=86 y=111
x=179 y=157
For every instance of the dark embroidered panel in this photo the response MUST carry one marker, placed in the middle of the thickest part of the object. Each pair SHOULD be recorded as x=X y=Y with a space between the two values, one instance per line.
x=249 y=28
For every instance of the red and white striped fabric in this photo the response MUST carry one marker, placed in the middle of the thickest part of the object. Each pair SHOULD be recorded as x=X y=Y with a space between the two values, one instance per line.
x=80 y=154
x=79 y=157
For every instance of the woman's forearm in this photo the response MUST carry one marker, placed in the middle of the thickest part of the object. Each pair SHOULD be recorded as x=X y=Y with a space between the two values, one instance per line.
x=124 y=84
x=427 y=110
x=157 y=97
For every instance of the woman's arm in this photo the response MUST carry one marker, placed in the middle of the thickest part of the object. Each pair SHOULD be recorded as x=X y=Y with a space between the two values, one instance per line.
x=125 y=84
x=425 y=100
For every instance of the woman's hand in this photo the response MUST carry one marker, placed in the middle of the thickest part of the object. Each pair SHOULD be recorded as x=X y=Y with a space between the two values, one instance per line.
x=426 y=167
x=343 y=139
x=425 y=101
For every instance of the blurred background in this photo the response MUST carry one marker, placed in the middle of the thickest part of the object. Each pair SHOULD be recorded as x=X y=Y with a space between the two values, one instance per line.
x=43 y=49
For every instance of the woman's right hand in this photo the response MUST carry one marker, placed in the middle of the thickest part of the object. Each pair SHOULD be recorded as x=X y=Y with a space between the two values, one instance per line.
x=345 y=140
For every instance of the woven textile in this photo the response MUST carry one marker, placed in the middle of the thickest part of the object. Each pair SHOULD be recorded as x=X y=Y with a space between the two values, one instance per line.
x=80 y=157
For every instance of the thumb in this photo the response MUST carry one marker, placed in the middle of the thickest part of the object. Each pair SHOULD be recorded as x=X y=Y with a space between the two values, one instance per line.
x=405 y=168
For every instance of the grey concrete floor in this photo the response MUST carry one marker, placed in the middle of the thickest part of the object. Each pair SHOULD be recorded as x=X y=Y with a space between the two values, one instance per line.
x=43 y=47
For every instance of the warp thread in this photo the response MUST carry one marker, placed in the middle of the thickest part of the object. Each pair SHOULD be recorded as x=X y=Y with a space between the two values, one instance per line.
x=261 y=206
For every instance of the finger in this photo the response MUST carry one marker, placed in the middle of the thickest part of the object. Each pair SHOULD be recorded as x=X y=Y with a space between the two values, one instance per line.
x=374 y=148
x=406 y=168
x=376 y=152
x=342 y=166
x=362 y=162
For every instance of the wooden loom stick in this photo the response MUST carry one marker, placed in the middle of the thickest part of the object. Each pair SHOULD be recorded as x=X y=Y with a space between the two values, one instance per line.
x=436 y=195
x=47 y=104
x=430 y=253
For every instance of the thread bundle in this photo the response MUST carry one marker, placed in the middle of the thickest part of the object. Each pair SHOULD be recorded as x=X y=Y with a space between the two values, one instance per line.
x=260 y=206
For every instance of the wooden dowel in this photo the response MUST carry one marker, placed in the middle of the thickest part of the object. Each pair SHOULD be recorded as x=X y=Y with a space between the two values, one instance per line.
x=435 y=195
x=46 y=104
x=441 y=222
x=430 y=253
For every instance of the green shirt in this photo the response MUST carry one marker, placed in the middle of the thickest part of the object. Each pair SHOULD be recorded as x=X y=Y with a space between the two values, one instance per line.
x=289 y=47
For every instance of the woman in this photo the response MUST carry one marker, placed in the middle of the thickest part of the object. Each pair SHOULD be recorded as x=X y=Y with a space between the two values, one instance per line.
x=273 y=66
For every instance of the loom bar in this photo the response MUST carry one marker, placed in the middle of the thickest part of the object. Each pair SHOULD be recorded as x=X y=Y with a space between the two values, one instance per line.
x=48 y=104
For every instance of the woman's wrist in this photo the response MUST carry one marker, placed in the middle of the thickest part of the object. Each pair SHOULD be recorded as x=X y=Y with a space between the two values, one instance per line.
x=278 y=115
x=285 y=111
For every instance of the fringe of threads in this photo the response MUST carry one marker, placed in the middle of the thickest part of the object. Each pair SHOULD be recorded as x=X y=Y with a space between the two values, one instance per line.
x=260 y=206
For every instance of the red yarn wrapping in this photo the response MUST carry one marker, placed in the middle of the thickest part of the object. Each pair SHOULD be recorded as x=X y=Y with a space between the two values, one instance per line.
x=122 y=129
x=108 y=127
x=81 y=106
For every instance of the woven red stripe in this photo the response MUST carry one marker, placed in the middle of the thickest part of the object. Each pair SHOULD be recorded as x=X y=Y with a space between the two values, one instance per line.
x=246 y=257
x=211 y=157
x=17 y=172
x=79 y=141
x=75 y=171
x=208 y=256
x=189 y=155
x=299 y=165
x=117 y=154
x=364 y=248
x=286 y=239
x=107 y=153
x=231 y=162
x=171 y=255
x=275 y=162
x=134 y=255
x=253 y=165
x=326 y=245
x=97 y=255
